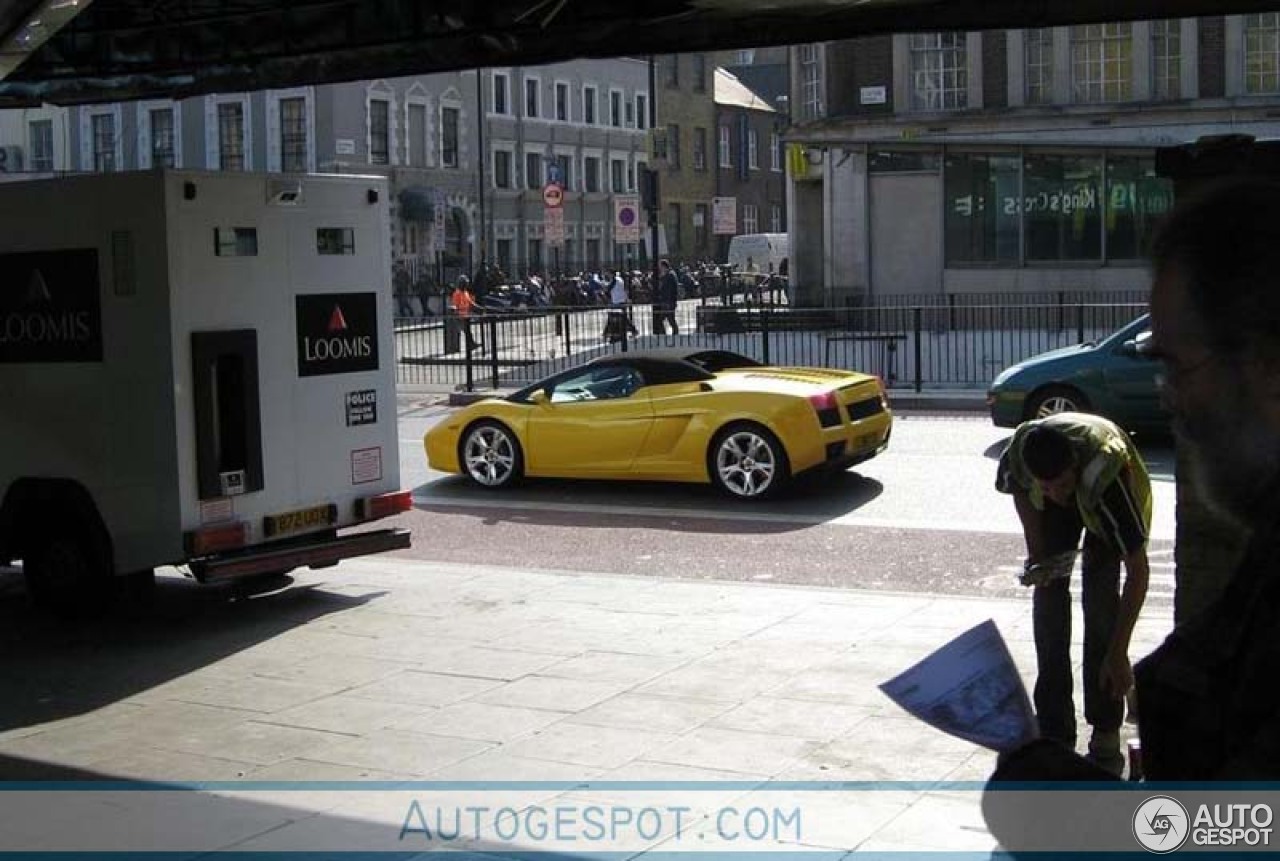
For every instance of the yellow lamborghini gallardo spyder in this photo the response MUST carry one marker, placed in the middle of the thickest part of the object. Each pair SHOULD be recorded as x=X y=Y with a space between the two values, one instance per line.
x=693 y=415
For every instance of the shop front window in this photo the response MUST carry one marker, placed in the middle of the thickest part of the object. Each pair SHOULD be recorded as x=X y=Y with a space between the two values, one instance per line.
x=1063 y=205
x=981 y=220
x=1136 y=200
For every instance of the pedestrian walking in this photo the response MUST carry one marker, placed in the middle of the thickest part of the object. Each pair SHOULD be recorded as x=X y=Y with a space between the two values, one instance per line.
x=665 y=301
x=463 y=303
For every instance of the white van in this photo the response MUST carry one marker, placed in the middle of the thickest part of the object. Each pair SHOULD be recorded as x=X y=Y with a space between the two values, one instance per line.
x=759 y=252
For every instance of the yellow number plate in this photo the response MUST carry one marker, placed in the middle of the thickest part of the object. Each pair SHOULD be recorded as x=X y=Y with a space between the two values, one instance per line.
x=275 y=525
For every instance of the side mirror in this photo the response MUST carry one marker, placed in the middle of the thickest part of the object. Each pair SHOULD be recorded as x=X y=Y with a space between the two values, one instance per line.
x=540 y=398
x=1139 y=347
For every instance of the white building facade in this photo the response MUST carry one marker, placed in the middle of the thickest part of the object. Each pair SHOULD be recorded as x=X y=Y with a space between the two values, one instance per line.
x=582 y=122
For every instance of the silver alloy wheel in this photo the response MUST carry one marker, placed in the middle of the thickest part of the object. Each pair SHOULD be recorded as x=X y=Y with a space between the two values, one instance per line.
x=489 y=456
x=1056 y=404
x=746 y=463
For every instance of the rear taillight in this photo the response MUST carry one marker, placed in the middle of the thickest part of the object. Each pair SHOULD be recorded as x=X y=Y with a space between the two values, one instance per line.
x=827 y=408
x=374 y=507
x=228 y=536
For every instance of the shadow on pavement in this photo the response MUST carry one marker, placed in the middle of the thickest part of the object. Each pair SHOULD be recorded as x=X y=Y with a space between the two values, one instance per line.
x=54 y=668
x=810 y=499
x=129 y=818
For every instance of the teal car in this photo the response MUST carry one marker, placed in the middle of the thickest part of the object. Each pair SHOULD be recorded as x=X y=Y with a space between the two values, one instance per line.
x=1111 y=378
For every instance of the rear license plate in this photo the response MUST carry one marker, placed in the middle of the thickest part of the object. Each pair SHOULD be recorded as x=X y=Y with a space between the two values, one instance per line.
x=275 y=525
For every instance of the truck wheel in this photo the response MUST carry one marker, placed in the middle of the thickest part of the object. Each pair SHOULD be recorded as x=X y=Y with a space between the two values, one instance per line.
x=65 y=575
x=137 y=587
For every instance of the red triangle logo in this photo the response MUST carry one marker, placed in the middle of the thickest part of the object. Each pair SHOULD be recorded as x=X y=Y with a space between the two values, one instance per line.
x=37 y=289
x=337 y=322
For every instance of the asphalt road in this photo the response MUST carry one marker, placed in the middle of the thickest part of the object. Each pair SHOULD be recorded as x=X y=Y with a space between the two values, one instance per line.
x=923 y=517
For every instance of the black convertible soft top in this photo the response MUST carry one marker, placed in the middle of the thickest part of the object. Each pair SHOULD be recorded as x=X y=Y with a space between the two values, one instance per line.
x=677 y=364
x=657 y=366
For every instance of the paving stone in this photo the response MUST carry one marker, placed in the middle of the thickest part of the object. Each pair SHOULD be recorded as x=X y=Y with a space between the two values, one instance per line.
x=488 y=663
x=343 y=713
x=400 y=752
x=167 y=766
x=731 y=750
x=345 y=671
x=612 y=667
x=712 y=680
x=479 y=721
x=259 y=743
x=798 y=718
x=256 y=693
x=411 y=687
x=593 y=746
x=668 y=714
x=551 y=694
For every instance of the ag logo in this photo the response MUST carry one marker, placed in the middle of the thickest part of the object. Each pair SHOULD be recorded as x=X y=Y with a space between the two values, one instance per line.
x=1160 y=824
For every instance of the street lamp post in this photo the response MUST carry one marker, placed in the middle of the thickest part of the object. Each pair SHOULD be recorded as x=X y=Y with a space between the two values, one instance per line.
x=480 y=124
x=653 y=199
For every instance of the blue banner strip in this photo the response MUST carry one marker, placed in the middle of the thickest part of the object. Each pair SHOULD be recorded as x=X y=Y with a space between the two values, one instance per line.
x=635 y=785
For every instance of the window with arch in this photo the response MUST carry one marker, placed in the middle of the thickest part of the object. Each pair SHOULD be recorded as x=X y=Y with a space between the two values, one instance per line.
x=450 y=116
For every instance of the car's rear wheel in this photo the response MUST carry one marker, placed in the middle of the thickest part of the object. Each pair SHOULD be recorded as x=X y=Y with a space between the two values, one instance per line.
x=1057 y=399
x=747 y=461
x=490 y=455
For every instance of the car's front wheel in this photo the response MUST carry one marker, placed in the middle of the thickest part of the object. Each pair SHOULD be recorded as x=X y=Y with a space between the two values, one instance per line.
x=1057 y=399
x=490 y=455
x=747 y=461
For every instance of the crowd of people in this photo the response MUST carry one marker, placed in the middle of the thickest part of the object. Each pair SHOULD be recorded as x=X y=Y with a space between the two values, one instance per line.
x=493 y=290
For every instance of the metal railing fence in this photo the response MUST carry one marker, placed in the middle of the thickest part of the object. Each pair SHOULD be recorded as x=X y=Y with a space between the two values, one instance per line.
x=951 y=346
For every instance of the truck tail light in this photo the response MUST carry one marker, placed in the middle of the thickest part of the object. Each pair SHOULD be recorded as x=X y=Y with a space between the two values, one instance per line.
x=374 y=507
x=227 y=536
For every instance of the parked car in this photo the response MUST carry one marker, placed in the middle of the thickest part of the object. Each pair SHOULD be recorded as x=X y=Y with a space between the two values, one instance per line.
x=1110 y=377
x=691 y=415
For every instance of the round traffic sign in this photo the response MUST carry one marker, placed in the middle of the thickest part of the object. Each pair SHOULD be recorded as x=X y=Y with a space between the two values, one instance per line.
x=552 y=195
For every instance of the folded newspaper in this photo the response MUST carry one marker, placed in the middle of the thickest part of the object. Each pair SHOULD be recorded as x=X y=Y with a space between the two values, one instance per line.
x=969 y=688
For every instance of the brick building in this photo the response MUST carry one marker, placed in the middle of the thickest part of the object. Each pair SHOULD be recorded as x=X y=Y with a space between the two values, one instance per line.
x=685 y=97
x=748 y=159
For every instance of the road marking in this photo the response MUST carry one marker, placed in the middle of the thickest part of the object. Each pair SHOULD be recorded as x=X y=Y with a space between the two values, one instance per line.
x=696 y=514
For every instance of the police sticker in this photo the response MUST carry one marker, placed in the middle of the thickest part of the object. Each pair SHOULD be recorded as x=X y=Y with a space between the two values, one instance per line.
x=362 y=407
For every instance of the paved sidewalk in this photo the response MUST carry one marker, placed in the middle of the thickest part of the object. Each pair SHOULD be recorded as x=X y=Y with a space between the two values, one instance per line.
x=392 y=669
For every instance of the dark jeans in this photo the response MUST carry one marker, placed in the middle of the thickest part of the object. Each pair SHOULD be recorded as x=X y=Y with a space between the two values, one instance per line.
x=659 y=326
x=1051 y=614
x=473 y=343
